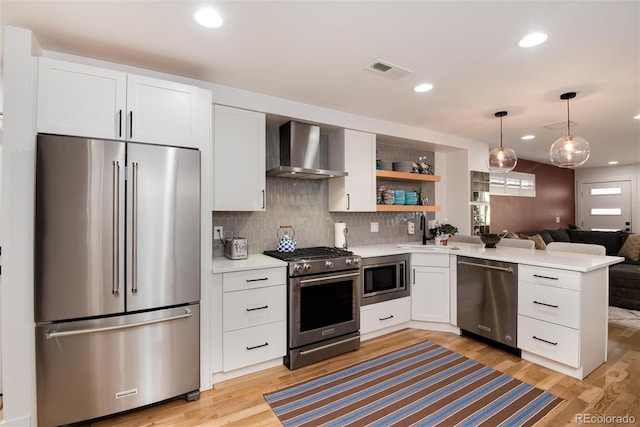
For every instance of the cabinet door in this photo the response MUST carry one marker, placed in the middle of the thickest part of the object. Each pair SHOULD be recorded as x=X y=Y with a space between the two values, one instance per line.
x=161 y=112
x=81 y=100
x=430 y=294
x=355 y=153
x=239 y=160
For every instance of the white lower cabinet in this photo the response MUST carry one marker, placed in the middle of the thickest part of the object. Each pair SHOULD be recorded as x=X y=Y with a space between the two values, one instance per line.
x=430 y=289
x=250 y=346
x=562 y=318
x=549 y=340
x=383 y=315
x=253 y=317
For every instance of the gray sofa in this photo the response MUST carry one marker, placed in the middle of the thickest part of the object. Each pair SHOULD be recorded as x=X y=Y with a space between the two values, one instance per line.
x=624 y=278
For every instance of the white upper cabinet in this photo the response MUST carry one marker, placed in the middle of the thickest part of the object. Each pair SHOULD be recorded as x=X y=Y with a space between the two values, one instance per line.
x=82 y=100
x=239 y=159
x=355 y=153
x=161 y=112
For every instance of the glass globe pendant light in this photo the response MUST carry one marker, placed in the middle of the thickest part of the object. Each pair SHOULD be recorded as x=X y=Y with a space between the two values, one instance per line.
x=569 y=151
x=501 y=160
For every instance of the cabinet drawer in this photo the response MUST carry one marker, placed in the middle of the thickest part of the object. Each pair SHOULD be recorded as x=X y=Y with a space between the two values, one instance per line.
x=430 y=260
x=548 y=303
x=382 y=315
x=255 y=307
x=552 y=341
x=251 y=279
x=246 y=347
x=549 y=276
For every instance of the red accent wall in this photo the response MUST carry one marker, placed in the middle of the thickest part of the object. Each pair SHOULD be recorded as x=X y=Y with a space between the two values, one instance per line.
x=555 y=196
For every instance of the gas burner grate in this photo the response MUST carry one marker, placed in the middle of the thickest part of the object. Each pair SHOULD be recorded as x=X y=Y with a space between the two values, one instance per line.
x=320 y=252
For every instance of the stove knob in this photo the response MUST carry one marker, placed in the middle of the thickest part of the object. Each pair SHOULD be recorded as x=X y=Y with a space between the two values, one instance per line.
x=356 y=261
x=348 y=261
x=307 y=267
x=297 y=268
x=328 y=264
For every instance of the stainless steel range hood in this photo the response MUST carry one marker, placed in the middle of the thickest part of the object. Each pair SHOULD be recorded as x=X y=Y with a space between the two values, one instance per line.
x=300 y=153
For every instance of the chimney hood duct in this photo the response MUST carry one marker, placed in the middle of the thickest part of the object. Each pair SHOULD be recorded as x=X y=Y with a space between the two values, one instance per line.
x=300 y=153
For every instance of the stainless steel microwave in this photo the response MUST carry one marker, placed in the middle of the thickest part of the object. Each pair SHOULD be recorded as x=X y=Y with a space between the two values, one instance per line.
x=384 y=278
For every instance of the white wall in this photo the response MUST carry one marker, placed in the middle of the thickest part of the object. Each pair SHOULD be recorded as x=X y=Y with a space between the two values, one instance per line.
x=18 y=167
x=612 y=173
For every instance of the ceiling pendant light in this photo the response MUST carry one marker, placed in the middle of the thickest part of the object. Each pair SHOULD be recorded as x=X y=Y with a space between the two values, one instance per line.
x=501 y=160
x=569 y=151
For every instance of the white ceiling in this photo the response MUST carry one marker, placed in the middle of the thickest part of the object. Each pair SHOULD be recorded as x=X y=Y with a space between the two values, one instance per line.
x=317 y=53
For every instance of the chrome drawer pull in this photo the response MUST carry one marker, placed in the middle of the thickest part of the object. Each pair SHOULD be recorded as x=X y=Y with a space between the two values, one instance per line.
x=545 y=304
x=262 y=279
x=257 y=308
x=258 y=346
x=545 y=277
x=548 y=342
x=386 y=318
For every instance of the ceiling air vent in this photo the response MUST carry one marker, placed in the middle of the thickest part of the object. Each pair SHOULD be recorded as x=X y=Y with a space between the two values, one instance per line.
x=388 y=69
x=559 y=125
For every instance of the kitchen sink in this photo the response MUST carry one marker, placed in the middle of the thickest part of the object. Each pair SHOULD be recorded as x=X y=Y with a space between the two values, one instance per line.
x=429 y=247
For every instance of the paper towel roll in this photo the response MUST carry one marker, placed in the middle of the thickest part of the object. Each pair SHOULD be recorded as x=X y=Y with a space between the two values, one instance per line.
x=339 y=238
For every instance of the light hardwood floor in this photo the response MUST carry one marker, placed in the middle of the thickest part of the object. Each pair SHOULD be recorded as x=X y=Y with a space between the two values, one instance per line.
x=613 y=389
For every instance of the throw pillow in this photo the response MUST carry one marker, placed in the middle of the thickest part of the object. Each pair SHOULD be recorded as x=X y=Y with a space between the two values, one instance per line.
x=546 y=236
x=559 y=235
x=631 y=248
x=540 y=244
x=511 y=235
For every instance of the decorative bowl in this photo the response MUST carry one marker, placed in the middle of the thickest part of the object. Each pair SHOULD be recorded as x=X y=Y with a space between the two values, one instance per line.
x=490 y=240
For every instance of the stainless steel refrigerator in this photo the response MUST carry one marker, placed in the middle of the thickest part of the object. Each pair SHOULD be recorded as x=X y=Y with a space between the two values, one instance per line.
x=117 y=276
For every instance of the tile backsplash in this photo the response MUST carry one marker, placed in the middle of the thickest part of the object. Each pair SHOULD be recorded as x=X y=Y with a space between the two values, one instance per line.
x=303 y=204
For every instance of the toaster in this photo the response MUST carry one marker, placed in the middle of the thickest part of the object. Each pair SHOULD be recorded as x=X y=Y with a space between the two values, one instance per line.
x=235 y=248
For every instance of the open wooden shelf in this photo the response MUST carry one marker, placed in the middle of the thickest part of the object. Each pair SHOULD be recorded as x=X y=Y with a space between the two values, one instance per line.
x=406 y=176
x=407 y=208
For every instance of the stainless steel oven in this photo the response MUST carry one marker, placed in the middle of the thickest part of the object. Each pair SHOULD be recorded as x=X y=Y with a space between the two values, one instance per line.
x=384 y=278
x=323 y=304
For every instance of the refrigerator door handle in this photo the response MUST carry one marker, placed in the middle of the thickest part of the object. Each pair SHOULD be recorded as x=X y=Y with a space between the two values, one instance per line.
x=115 y=290
x=54 y=334
x=134 y=229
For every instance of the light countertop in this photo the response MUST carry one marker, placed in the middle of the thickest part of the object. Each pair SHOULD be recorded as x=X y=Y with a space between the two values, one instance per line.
x=253 y=262
x=562 y=260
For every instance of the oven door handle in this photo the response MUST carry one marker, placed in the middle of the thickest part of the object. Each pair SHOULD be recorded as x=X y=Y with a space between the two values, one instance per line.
x=324 y=279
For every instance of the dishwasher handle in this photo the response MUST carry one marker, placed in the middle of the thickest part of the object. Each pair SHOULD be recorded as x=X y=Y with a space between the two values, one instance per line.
x=492 y=267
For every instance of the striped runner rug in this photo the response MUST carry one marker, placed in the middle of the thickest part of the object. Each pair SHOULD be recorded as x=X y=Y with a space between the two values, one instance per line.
x=422 y=385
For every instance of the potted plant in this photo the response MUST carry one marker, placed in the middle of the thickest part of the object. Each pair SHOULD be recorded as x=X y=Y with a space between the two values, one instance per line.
x=441 y=230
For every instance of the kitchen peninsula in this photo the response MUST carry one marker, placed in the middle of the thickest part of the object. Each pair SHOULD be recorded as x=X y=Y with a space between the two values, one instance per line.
x=562 y=301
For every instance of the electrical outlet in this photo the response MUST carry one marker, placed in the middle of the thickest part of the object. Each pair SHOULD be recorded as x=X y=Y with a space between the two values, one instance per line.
x=411 y=227
x=218 y=232
x=374 y=227
x=557 y=220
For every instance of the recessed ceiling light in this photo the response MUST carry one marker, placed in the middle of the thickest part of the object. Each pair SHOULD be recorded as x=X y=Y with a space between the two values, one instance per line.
x=613 y=162
x=533 y=39
x=208 y=17
x=424 y=87
x=637 y=117
x=528 y=137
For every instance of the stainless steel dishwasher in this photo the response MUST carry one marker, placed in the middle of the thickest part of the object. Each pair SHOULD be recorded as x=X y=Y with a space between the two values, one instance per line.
x=488 y=299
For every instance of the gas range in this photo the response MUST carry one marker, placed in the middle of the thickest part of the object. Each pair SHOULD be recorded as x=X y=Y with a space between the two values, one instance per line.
x=315 y=260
